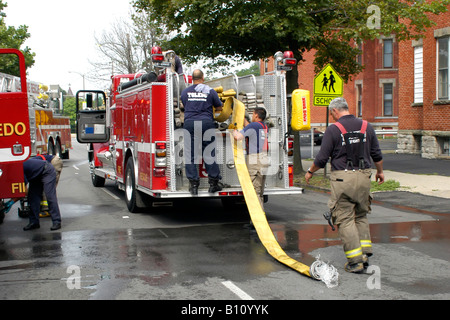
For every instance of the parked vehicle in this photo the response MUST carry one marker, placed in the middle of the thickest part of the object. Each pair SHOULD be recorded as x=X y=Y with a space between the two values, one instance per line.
x=305 y=137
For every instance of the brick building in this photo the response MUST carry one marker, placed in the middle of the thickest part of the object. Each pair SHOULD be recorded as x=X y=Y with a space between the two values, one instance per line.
x=424 y=110
x=372 y=94
x=398 y=89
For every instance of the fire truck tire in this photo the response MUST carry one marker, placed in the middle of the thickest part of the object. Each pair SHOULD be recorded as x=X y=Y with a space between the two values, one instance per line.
x=133 y=198
x=58 y=149
x=65 y=155
x=97 y=181
x=50 y=147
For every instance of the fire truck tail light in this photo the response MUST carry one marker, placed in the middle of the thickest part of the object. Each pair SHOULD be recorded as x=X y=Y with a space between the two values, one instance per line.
x=291 y=175
x=159 y=172
x=160 y=149
x=160 y=154
x=160 y=145
x=290 y=145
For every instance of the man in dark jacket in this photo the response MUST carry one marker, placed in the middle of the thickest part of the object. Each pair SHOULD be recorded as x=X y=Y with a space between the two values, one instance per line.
x=198 y=101
x=351 y=143
x=41 y=176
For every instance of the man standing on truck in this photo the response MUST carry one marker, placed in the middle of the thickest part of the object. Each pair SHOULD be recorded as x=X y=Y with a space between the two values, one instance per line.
x=198 y=101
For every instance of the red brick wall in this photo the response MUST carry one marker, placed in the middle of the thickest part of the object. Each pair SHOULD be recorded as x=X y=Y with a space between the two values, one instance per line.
x=430 y=116
x=372 y=94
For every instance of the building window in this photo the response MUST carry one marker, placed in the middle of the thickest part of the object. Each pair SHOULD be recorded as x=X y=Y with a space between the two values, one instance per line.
x=443 y=63
x=359 y=99
x=388 y=53
x=418 y=74
x=388 y=101
x=359 y=58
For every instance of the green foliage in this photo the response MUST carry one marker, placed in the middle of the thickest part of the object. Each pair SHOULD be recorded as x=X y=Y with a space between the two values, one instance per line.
x=388 y=185
x=69 y=110
x=250 y=30
x=253 y=69
x=321 y=182
x=11 y=37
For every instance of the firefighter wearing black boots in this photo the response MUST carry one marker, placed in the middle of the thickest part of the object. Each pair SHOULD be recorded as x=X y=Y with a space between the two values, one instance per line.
x=352 y=145
x=198 y=101
x=41 y=176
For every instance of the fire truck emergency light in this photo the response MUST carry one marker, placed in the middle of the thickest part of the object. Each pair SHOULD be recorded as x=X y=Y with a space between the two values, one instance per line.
x=157 y=55
x=289 y=59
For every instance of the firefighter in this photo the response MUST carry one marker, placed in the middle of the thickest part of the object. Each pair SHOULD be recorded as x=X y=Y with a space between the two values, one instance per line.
x=198 y=101
x=41 y=176
x=57 y=163
x=255 y=133
x=352 y=145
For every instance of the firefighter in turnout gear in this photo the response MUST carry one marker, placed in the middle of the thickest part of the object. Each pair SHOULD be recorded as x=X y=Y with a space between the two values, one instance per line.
x=351 y=143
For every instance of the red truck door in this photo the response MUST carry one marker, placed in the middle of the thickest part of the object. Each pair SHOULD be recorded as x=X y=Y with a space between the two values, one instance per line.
x=15 y=145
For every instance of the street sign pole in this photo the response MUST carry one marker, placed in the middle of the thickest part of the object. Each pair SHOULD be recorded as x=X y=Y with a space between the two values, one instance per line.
x=328 y=85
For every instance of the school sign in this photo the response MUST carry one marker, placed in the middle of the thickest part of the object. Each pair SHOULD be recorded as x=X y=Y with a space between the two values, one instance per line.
x=328 y=85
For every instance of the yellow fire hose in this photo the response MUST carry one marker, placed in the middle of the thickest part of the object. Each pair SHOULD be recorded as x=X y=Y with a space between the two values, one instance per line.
x=257 y=215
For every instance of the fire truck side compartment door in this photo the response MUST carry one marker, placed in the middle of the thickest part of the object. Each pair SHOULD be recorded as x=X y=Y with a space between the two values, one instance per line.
x=91 y=117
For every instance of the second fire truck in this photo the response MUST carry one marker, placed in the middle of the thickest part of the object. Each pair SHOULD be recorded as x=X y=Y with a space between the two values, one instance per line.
x=136 y=137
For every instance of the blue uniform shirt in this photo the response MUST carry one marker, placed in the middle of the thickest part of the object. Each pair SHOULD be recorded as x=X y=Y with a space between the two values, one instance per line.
x=255 y=134
x=33 y=167
x=198 y=102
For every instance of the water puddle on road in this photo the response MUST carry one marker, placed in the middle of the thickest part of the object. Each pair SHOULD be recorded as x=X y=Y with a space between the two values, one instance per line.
x=309 y=237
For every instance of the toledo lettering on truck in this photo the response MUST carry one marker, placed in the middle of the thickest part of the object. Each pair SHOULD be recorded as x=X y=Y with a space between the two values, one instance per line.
x=9 y=129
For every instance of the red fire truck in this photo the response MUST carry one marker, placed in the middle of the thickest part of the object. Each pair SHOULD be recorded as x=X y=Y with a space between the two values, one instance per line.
x=50 y=131
x=29 y=124
x=136 y=138
x=15 y=143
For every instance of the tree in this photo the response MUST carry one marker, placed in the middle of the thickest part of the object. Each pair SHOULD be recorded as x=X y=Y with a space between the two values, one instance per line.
x=126 y=47
x=14 y=38
x=252 y=30
x=256 y=29
x=69 y=110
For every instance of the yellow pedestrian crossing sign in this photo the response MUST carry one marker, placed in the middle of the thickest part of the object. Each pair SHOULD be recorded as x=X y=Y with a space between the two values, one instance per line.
x=328 y=85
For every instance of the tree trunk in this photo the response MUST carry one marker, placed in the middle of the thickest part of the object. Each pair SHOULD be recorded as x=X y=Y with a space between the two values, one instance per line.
x=291 y=85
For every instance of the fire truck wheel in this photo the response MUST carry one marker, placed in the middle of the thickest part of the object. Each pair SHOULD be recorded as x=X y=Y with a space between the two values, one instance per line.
x=97 y=181
x=50 y=147
x=132 y=196
x=58 y=149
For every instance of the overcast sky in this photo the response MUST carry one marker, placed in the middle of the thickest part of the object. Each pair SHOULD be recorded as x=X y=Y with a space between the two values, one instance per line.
x=62 y=36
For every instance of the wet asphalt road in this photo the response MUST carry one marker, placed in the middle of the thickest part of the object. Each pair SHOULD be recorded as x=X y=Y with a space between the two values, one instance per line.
x=194 y=249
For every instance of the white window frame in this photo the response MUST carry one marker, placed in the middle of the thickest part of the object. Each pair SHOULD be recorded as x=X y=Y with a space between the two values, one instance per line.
x=391 y=100
x=391 y=54
x=418 y=74
x=438 y=70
